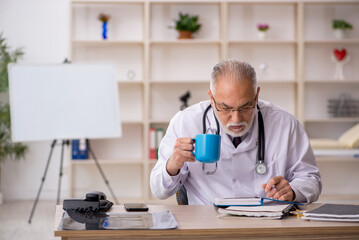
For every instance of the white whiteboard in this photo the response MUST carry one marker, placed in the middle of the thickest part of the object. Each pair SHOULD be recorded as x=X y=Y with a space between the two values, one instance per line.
x=63 y=101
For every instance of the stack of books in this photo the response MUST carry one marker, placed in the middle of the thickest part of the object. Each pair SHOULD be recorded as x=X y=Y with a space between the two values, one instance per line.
x=267 y=211
x=334 y=212
x=256 y=207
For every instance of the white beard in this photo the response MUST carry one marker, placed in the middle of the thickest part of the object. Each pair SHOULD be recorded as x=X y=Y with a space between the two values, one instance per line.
x=246 y=125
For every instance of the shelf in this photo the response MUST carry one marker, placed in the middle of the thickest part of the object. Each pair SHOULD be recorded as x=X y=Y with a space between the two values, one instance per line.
x=186 y=41
x=266 y=41
x=139 y=82
x=277 y=81
x=332 y=120
x=296 y=52
x=332 y=41
x=107 y=162
x=132 y=121
x=104 y=42
x=342 y=153
x=319 y=81
x=179 y=81
x=107 y=2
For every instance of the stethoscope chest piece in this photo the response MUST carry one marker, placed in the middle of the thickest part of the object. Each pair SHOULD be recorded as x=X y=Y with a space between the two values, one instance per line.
x=261 y=168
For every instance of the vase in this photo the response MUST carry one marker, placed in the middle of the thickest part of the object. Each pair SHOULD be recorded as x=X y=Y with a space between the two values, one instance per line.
x=184 y=35
x=339 y=33
x=104 y=30
x=262 y=35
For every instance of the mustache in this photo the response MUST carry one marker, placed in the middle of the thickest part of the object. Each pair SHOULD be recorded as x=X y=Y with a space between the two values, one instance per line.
x=243 y=123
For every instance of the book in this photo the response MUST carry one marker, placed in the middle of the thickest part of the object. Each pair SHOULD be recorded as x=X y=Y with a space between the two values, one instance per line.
x=159 y=135
x=273 y=210
x=152 y=144
x=334 y=212
x=348 y=140
x=79 y=149
x=243 y=201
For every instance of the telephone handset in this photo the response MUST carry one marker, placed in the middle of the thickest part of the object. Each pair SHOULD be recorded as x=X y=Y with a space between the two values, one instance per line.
x=95 y=201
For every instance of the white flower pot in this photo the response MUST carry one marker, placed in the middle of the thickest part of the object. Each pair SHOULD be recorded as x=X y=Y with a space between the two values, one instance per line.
x=339 y=33
x=262 y=35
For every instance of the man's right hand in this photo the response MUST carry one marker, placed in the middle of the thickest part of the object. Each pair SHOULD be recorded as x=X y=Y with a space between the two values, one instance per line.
x=181 y=154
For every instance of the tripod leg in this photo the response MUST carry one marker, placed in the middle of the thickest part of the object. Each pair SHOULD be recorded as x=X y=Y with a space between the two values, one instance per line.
x=60 y=174
x=101 y=172
x=42 y=181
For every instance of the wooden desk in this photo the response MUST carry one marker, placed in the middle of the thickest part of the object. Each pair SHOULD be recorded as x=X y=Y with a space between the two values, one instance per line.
x=201 y=222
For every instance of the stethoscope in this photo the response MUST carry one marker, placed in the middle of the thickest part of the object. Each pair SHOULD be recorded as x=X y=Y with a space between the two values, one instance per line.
x=260 y=167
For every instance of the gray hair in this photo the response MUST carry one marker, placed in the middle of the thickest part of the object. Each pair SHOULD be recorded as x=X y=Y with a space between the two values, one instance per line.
x=233 y=70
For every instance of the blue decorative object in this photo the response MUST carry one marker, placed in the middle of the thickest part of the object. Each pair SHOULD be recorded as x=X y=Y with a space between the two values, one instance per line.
x=104 y=30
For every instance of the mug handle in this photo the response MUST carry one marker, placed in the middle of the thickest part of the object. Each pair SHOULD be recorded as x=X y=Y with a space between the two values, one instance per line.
x=193 y=152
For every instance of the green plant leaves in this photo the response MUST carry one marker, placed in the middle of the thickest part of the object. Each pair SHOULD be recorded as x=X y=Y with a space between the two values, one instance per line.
x=187 y=22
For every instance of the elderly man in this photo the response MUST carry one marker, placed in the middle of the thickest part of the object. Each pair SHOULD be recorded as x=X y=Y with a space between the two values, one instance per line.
x=289 y=170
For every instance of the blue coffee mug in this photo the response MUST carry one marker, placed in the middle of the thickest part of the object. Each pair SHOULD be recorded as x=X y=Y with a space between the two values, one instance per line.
x=207 y=148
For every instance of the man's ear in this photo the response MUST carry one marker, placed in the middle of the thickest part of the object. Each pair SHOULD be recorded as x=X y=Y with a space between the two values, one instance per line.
x=210 y=96
x=258 y=90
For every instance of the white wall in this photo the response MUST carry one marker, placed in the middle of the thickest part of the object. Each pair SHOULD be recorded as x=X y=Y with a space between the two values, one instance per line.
x=41 y=27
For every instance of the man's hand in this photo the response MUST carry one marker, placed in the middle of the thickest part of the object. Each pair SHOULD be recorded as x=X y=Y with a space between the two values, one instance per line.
x=181 y=154
x=279 y=188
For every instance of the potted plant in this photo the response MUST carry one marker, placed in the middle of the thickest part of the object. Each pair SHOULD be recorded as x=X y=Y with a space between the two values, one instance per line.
x=262 y=30
x=339 y=27
x=104 y=19
x=8 y=149
x=186 y=25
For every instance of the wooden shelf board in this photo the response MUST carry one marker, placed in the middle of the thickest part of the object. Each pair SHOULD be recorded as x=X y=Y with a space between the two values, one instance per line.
x=267 y=41
x=332 y=41
x=121 y=81
x=332 y=120
x=185 y=1
x=132 y=122
x=331 y=81
x=277 y=81
x=206 y=81
x=106 y=2
x=337 y=153
x=105 y=42
x=186 y=41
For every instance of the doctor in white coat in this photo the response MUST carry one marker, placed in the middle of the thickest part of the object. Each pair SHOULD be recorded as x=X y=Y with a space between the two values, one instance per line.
x=291 y=172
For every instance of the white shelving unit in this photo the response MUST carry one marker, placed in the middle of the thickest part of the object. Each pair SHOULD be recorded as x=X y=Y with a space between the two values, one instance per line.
x=154 y=69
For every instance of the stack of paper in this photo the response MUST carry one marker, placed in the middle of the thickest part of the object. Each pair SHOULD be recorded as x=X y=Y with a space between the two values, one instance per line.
x=270 y=211
x=334 y=212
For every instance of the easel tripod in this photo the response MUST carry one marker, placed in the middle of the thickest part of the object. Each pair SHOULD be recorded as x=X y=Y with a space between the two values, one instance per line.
x=67 y=142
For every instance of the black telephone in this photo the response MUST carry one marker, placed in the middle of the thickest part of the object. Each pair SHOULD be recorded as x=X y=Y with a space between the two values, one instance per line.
x=94 y=202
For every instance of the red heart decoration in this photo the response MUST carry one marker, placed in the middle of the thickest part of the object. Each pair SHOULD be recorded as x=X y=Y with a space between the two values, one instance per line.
x=340 y=54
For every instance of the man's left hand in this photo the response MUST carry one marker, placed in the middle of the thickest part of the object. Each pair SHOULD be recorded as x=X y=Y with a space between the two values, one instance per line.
x=279 y=188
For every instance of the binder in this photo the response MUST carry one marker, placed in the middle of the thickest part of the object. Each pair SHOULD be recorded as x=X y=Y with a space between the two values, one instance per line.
x=159 y=135
x=152 y=144
x=79 y=149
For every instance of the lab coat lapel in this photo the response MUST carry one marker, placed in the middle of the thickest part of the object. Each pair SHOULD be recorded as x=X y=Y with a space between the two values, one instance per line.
x=251 y=140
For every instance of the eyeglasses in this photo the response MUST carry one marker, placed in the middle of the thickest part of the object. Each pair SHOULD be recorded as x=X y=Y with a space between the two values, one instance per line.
x=244 y=109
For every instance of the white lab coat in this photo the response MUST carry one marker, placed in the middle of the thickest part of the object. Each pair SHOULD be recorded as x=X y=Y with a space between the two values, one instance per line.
x=287 y=153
